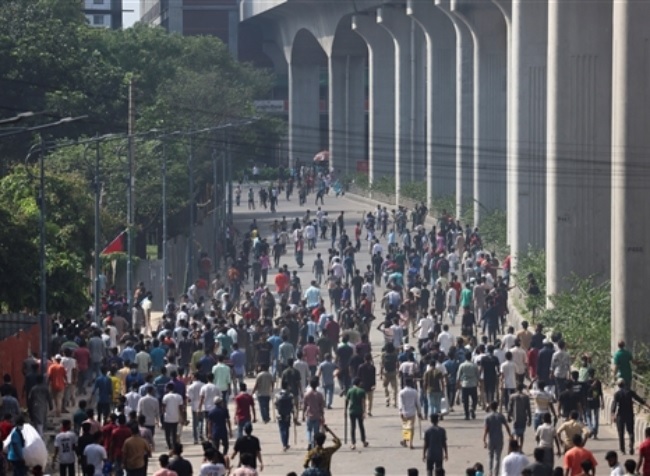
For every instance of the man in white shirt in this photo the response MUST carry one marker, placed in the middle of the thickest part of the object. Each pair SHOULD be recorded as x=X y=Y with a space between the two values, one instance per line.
x=515 y=462
x=194 y=397
x=207 y=395
x=172 y=407
x=95 y=455
x=377 y=248
x=452 y=304
x=312 y=295
x=310 y=236
x=69 y=363
x=425 y=326
x=409 y=408
x=149 y=407
x=445 y=339
x=508 y=378
x=133 y=397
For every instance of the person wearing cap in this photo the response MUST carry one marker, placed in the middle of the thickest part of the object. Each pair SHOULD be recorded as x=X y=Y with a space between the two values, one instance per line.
x=219 y=427
x=615 y=467
x=57 y=376
x=623 y=413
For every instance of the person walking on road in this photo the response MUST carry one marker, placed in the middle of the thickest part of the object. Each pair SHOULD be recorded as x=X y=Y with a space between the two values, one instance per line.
x=493 y=437
x=519 y=414
x=623 y=413
x=355 y=406
x=285 y=408
x=325 y=454
x=468 y=377
x=435 y=447
x=313 y=411
x=409 y=409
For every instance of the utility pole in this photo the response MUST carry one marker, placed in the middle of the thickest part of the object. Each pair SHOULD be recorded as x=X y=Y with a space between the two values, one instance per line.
x=164 y=223
x=190 y=240
x=43 y=311
x=97 y=231
x=229 y=180
x=215 y=208
x=130 y=197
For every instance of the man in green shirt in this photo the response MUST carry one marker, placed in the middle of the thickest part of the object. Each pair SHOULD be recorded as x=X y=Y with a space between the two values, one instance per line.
x=355 y=404
x=222 y=377
x=623 y=364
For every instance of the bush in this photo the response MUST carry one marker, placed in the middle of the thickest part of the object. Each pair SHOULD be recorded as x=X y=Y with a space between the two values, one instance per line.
x=583 y=316
x=416 y=191
x=494 y=232
x=385 y=185
x=532 y=262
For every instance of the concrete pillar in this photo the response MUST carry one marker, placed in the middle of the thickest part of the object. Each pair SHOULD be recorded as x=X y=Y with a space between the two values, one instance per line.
x=464 y=102
x=578 y=141
x=346 y=112
x=488 y=28
x=527 y=124
x=394 y=20
x=440 y=38
x=630 y=230
x=418 y=163
x=304 y=111
x=381 y=85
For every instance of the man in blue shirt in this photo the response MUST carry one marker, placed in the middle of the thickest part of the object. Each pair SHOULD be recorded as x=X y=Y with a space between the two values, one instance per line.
x=238 y=360
x=275 y=340
x=16 y=447
x=157 y=355
x=104 y=389
x=219 y=427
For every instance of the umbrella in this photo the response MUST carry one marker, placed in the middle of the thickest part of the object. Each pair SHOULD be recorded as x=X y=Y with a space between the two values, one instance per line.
x=322 y=156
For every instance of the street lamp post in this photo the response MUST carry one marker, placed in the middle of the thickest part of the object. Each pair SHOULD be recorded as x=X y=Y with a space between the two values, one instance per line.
x=190 y=244
x=42 y=258
x=97 y=191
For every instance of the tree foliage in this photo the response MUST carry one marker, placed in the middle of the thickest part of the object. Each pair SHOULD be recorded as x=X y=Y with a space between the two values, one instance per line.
x=53 y=61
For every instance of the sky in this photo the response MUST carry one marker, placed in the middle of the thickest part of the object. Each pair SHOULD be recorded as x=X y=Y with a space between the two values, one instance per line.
x=129 y=18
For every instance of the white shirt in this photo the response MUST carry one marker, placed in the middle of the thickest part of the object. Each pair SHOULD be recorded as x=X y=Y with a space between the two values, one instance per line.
x=310 y=232
x=446 y=340
x=208 y=392
x=508 y=370
x=69 y=364
x=509 y=341
x=514 y=464
x=95 y=455
x=338 y=270
x=65 y=441
x=369 y=289
x=209 y=469
x=452 y=297
x=409 y=402
x=617 y=470
x=194 y=394
x=132 y=399
x=426 y=325
x=232 y=333
x=453 y=262
x=172 y=403
x=377 y=248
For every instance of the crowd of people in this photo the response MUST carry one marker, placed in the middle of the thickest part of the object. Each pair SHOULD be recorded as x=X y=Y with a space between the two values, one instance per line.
x=260 y=343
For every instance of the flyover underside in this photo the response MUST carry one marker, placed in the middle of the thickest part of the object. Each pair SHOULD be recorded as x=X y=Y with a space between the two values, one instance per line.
x=507 y=104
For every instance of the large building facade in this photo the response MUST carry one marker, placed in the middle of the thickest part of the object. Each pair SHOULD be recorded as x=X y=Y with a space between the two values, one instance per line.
x=103 y=13
x=540 y=108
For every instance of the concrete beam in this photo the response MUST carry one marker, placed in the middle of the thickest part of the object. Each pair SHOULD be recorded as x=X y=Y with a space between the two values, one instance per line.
x=487 y=25
x=527 y=125
x=395 y=22
x=347 y=136
x=440 y=85
x=381 y=109
x=630 y=230
x=578 y=141
x=464 y=105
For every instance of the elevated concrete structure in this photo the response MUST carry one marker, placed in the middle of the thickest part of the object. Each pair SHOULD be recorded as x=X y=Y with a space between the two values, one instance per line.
x=578 y=141
x=464 y=103
x=527 y=126
x=630 y=230
x=508 y=104
x=440 y=84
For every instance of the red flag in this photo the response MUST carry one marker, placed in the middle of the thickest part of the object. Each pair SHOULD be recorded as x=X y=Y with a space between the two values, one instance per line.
x=115 y=246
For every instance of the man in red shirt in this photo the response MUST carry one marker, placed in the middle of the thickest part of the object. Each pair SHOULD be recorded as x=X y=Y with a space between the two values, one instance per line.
x=57 y=377
x=118 y=437
x=107 y=431
x=244 y=405
x=281 y=283
x=6 y=426
x=574 y=458
x=82 y=356
x=644 y=455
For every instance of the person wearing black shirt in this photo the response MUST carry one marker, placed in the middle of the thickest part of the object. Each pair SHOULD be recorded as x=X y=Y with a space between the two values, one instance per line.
x=343 y=356
x=356 y=282
x=490 y=366
x=623 y=413
x=178 y=464
x=248 y=444
x=594 y=392
x=368 y=375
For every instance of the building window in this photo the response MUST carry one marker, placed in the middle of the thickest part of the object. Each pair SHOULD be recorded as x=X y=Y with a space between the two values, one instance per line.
x=98 y=19
x=98 y=2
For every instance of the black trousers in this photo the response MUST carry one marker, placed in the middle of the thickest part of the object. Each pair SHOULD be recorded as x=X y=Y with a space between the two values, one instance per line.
x=171 y=436
x=623 y=425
